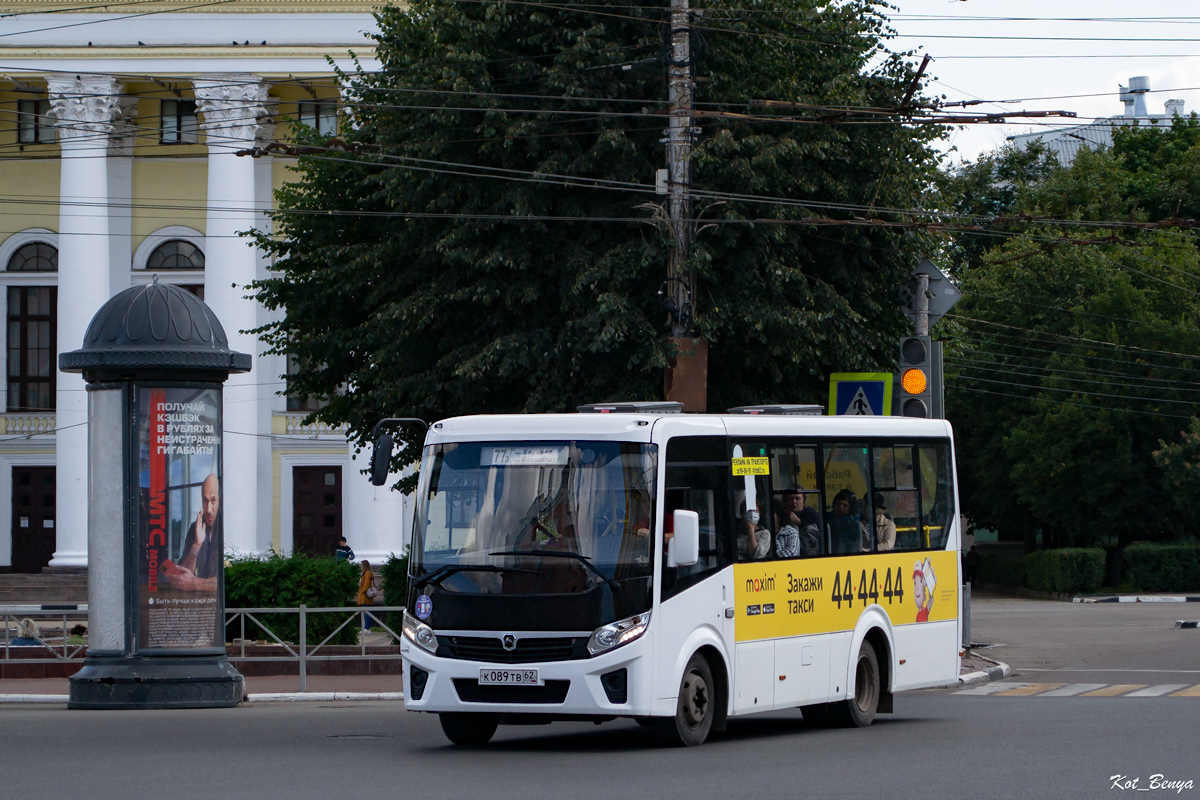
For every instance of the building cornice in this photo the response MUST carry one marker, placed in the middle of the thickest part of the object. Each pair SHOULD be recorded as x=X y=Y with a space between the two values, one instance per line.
x=184 y=6
x=149 y=53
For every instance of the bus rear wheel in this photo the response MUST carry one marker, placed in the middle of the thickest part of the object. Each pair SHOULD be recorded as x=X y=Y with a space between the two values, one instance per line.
x=859 y=710
x=694 y=713
x=469 y=729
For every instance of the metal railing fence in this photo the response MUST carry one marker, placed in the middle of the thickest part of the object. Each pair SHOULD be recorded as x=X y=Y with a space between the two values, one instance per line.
x=56 y=650
x=300 y=651
x=56 y=647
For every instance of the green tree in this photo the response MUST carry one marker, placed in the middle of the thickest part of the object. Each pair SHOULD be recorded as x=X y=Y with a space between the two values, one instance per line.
x=1076 y=349
x=1180 y=463
x=495 y=253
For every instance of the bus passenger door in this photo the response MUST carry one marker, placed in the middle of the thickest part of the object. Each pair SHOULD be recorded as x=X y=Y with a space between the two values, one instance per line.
x=699 y=596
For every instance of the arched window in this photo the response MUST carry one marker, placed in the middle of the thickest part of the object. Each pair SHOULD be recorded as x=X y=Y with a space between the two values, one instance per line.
x=32 y=330
x=34 y=257
x=175 y=254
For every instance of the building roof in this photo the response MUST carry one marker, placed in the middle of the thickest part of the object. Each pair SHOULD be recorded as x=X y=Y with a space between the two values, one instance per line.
x=1067 y=142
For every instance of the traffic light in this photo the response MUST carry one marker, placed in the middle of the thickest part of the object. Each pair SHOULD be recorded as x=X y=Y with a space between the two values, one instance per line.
x=915 y=395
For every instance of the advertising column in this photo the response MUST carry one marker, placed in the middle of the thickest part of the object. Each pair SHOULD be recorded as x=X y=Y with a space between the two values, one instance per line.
x=179 y=521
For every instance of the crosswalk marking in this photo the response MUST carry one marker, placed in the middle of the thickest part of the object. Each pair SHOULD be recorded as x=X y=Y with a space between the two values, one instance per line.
x=989 y=688
x=1072 y=689
x=1158 y=691
x=1115 y=689
x=1029 y=689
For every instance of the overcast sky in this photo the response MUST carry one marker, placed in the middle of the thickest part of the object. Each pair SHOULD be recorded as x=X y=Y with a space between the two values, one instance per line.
x=1051 y=48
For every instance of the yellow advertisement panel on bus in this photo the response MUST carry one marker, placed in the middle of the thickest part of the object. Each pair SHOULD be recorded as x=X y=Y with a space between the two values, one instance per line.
x=821 y=595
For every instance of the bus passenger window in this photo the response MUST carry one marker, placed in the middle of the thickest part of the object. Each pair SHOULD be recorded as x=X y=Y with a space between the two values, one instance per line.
x=896 y=513
x=796 y=504
x=751 y=503
x=849 y=519
x=696 y=471
x=937 y=497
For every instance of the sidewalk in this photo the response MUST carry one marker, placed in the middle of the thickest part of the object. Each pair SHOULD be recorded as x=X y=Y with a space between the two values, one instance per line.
x=275 y=687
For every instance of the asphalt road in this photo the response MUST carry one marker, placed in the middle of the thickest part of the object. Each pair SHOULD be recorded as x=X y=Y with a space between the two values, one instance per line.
x=939 y=743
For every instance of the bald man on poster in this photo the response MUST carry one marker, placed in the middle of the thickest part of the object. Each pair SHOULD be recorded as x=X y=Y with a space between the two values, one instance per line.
x=197 y=567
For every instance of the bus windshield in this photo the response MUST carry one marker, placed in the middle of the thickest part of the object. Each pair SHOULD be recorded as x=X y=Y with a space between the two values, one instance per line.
x=538 y=517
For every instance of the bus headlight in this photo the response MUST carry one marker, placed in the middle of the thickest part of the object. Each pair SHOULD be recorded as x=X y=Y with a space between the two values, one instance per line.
x=618 y=633
x=419 y=633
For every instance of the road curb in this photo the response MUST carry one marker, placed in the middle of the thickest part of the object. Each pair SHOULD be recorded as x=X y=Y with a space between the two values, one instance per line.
x=298 y=697
x=998 y=672
x=257 y=697
x=1139 y=598
x=33 y=698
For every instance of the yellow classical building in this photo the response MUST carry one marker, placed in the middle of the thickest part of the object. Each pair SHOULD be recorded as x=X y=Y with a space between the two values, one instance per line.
x=120 y=126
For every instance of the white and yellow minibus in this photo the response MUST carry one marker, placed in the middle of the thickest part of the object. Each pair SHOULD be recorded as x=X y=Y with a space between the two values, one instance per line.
x=679 y=569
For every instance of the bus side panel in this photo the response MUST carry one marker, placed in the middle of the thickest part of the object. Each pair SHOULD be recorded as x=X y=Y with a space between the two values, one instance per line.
x=755 y=681
x=683 y=624
x=802 y=664
x=930 y=654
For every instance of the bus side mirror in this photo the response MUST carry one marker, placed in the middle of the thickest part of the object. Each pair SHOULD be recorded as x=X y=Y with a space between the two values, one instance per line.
x=381 y=457
x=685 y=544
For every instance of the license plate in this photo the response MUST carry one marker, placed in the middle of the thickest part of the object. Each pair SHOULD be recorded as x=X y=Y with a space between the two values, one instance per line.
x=509 y=677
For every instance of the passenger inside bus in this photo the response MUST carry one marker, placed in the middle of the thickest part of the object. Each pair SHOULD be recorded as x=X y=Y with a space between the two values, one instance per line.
x=797 y=526
x=753 y=540
x=845 y=530
x=885 y=528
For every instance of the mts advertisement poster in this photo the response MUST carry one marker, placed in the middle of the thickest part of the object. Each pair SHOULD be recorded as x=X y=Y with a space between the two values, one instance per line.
x=179 y=535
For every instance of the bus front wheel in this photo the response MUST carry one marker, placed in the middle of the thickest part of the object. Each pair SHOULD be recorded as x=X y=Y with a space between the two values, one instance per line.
x=694 y=713
x=859 y=710
x=469 y=729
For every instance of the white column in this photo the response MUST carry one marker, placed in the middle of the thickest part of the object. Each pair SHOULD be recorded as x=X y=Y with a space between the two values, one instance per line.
x=267 y=366
x=236 y=113
x=84 y=108
x=120 y=193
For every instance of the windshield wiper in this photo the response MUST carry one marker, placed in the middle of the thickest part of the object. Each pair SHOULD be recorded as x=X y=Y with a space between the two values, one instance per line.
x=587 y=562
x=438 y=575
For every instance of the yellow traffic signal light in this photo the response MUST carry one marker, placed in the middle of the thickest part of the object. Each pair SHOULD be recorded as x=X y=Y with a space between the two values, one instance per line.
x=915 y=398
x=914 y=381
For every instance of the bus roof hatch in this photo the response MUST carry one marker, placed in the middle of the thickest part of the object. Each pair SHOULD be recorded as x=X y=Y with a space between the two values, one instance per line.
x=633 y=407
x=786 y=408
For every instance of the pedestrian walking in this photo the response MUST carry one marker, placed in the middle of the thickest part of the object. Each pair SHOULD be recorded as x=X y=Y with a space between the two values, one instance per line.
x=366 y=593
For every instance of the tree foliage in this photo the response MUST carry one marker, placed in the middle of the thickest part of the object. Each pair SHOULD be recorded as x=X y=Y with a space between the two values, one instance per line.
x=497 y=253
x=1075 y=351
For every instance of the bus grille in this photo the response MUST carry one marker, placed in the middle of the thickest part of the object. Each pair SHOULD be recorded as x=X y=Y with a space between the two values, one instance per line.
x=486 y=648
x=469 y=691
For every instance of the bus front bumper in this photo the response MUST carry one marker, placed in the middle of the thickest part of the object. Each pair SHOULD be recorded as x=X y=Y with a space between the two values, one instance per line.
x=584 y=687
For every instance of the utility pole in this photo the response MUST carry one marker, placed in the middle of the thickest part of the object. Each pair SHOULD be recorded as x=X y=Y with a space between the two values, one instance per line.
x=686 y=379
x=921 y=319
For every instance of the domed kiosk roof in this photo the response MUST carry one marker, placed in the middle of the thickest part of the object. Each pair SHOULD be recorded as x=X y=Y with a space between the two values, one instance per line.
x=152 y=328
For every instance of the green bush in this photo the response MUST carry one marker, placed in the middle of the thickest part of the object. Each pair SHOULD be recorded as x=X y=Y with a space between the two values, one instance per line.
x=1070 y=569
x=276 y=581
x=1162 y=567
x=1001 y=571
x=395 y=579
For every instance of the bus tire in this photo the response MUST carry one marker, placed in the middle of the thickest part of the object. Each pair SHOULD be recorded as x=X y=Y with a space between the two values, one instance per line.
x=859 y=710
x=468 y=729
x=696 y=708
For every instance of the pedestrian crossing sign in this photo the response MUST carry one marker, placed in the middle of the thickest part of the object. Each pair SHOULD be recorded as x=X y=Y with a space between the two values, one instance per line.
x=867 y=394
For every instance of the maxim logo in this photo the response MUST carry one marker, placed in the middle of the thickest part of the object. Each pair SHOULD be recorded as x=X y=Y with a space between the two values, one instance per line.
x=764 y=584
